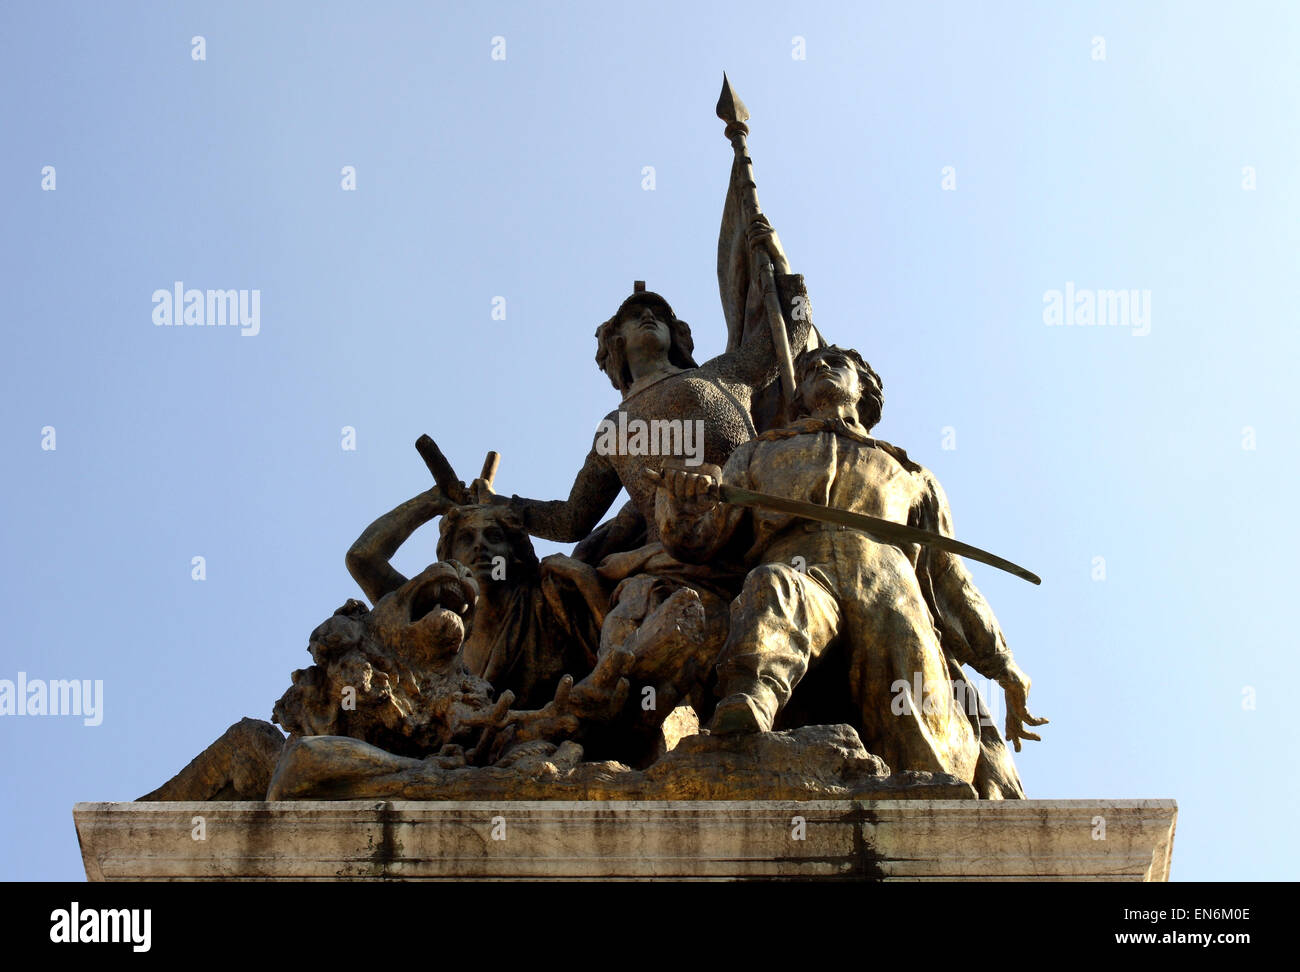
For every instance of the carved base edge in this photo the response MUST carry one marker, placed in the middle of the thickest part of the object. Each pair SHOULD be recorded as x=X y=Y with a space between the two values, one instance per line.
x=1073 y=840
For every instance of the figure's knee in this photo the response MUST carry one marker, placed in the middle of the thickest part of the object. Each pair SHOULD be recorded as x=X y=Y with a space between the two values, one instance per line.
x=769 y=583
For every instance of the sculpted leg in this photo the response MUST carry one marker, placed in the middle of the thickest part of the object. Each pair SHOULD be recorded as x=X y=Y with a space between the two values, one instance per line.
x=899 y=675
x=780 y=623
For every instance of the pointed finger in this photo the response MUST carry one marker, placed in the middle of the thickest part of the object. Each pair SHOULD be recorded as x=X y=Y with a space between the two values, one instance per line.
x=562 y=691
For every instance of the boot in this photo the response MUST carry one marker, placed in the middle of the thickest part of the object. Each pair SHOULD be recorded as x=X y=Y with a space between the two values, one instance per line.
x=739 y=714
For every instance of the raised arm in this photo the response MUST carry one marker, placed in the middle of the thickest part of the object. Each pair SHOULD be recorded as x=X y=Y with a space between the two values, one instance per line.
x=755 y=362
x=566 y=521
x=368 y=558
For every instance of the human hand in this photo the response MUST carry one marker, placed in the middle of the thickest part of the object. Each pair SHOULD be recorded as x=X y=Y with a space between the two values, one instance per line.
x=695 y=492
x=1015 y=683
x=763 y=246
x=482 y=493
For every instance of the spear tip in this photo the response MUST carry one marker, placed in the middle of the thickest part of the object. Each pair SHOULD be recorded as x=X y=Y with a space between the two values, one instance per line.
x=730 y=107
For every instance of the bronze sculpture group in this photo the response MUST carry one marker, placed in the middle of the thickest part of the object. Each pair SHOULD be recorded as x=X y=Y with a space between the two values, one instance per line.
x=787 y=595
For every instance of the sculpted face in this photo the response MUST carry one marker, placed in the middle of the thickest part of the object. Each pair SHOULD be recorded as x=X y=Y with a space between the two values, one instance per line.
x=424 y=619
x=644 y=332
x=480 y=538
x=829 y=378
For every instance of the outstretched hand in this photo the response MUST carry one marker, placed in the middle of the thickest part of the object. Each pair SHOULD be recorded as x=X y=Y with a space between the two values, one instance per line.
x=597 y=698
x=1016 y=686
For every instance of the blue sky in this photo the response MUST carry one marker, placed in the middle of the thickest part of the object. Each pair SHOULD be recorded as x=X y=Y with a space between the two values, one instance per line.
x=523 y=178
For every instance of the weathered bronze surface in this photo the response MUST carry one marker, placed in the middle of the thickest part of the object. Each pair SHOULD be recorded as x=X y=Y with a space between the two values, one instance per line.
x=779 y=576
x=894 y=611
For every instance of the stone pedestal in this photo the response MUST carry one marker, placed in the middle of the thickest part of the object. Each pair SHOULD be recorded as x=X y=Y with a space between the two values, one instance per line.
x=892 y=840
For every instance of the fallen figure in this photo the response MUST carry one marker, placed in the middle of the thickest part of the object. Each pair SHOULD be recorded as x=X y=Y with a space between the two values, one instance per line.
x=389 y=710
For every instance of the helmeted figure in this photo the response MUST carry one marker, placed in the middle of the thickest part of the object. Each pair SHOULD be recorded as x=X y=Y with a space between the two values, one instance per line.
x=671 y=615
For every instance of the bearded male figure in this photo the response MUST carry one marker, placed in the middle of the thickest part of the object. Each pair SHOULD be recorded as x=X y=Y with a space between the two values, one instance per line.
x=895 y=616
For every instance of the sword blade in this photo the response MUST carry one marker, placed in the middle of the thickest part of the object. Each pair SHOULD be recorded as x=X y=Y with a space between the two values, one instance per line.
x=886 y=531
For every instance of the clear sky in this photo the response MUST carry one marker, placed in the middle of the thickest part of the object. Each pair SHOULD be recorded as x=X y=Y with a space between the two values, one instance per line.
x=1146 y=147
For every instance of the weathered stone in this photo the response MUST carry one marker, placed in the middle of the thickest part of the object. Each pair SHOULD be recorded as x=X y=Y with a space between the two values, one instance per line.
x=681 y=723
x=394 y=675
x=238 y=766
x=811 y=763
x=842 y=840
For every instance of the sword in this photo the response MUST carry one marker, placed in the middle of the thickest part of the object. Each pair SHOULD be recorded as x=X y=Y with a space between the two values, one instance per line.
x=884 y=531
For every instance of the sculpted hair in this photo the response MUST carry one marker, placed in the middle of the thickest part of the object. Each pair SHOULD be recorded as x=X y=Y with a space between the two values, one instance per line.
x=612 y=360
x=872 y=402
x=521 y=547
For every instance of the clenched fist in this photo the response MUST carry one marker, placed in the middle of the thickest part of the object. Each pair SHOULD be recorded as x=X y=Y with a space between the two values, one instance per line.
x=693 y=490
